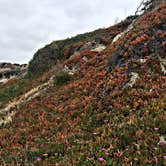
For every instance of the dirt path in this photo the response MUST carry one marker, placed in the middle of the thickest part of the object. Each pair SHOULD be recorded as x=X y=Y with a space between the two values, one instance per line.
x=7 y=113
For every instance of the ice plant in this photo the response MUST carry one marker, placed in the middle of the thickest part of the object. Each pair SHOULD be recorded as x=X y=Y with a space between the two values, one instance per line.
x=42 y=145
x=38 y=158
x=156 y=129
x=100 y=159
x=103 y=149
x=95 y=133
x=111 y=147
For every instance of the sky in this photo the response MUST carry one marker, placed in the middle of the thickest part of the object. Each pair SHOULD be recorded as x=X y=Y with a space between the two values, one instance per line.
x=27 y=25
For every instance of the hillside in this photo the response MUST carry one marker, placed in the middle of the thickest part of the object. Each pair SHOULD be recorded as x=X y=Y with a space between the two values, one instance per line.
x=95 y=99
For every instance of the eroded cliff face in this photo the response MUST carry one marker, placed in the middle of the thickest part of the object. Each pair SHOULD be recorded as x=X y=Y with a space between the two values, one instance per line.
x=9 y=71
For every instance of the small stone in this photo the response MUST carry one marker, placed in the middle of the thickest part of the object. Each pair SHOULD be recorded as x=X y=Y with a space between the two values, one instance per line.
x=162 y=141
x=85 y=58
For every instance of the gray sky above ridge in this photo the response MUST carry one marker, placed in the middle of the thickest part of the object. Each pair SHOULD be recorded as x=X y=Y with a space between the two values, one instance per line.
x=30 y=24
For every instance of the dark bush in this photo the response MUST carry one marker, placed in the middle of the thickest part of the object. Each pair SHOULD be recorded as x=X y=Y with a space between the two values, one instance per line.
x=62 y=78
x=48 y=56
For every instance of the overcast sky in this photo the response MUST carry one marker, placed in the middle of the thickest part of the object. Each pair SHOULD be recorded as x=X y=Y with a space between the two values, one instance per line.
x=27 y=25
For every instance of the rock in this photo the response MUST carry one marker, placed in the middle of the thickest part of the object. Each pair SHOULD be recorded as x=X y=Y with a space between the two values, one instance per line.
x=93 y=46
x=133 y=80
x=130 y=27
x=70 y=71
x=142 y=61
x=85 y=58
x=163 y=65
x=162 y=141
x=9 y=71
x=88 y=45
x=99 y=48
x=114 y=59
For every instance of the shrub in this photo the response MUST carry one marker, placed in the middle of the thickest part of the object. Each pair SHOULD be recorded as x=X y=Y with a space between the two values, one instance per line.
x=62 y=78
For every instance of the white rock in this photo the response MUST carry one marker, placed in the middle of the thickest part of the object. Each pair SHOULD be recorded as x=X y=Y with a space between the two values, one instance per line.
x=133 y=79
x=99 y=48
x=162 y=141
x=163 y=67
x=3 y=80
x=85 y=58
x=5 y=70
x=70 y=71
x=142 y=60
x=130 y=27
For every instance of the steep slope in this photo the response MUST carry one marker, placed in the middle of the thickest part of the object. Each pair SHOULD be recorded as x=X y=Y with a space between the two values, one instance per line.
x=63 y=49
x=107 y=106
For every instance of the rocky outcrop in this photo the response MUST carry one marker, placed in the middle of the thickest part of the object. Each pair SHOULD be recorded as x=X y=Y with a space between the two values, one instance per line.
x=9 y=71
x=51 y=54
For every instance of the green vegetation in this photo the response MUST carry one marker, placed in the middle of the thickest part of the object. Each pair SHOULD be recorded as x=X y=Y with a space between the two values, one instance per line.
x=62 y=78
x=13 y=91
x=78 y=38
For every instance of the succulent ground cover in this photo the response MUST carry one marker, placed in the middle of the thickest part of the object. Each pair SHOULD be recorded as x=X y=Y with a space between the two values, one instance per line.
x=111 y=111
